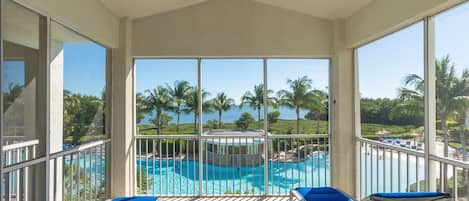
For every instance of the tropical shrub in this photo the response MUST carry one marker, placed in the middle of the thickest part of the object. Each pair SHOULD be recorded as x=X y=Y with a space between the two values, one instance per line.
x=245 y=120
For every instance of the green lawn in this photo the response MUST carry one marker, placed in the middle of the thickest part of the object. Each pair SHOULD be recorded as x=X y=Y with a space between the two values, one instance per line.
x=369 y=130
x=84 y=139
x=281 y=127
x=289 y=127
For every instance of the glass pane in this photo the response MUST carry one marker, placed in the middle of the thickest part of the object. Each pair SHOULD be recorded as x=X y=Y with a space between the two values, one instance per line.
x=166 y=96
x=299 y=96
x=452 y=78
x=78 y=68
x=391 y=88
x=452 y=93
x=391 y=82
x=23 y=86
x=233 y=94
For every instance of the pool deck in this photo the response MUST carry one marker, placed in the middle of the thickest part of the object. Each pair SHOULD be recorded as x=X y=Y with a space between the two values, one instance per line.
x=227 y=199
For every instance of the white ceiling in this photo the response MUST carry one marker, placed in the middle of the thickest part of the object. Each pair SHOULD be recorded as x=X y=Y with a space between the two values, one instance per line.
x=141 y=8
x=328 y=9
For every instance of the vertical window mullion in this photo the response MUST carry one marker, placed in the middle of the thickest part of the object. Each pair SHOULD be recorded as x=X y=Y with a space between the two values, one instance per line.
x=199 y=123
x=44 y=40
x=266 y=137
x=1 y=87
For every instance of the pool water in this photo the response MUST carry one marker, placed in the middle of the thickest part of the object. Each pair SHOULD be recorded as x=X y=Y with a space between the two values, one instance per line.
x=181 y=177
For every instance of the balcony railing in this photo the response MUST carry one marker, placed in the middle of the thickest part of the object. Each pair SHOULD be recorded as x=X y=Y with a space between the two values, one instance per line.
x=230 y=165
x=83 y=175
x=17 y=181
x=78 y=173
x=386 y=167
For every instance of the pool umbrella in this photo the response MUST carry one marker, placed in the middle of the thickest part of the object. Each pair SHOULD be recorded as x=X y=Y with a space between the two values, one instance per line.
x=383 y=132
x=415 y=136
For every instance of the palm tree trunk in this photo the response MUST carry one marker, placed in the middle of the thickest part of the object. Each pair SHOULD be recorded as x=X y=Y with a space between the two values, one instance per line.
x=444 y=131
x=195 y=122
x=177 y=123
x=462 y=133
x=318 y=118
x=445 y=150
x=158 y=124
x=259 y=117
x=178 y=111
x=219 y=119
x=297 y=120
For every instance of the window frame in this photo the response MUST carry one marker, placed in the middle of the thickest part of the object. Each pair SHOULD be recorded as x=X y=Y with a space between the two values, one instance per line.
x=430 y=156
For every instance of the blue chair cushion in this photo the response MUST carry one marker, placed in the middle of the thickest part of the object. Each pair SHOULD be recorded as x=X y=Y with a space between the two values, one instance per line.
x=322 y=194
x=421 y=196
x=136 y=198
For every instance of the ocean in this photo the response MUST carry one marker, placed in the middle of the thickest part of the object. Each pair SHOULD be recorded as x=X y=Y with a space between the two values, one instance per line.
x=229 y=116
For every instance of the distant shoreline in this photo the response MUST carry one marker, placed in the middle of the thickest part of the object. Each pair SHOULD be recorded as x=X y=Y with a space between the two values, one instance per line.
x=229 y=116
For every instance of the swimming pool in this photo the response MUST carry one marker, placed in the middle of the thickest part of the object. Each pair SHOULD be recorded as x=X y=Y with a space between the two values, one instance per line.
x=181 y=177
x=176 y=177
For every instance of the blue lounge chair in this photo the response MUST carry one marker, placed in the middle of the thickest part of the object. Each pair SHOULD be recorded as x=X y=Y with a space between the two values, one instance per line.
x=420 y=146
x=410 y=196
x=398 y=141
x=319 y=194
x=135 y=198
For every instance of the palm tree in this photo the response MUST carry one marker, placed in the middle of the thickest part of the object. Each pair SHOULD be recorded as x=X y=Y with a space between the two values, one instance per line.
x=298 y=97
x=222 y=103
x=141 y=107
x=71 y=104
x=192 y=102
x=160 y=100
x=256 y=100
x=445 y=93
x=14 y=91
x=446 y=96
x=462 y=107
x=178 y=92
x=317 y=106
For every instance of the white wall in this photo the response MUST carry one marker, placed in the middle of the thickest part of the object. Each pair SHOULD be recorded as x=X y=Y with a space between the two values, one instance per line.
x=89 y=17
x=382 y=17
x=231 y=28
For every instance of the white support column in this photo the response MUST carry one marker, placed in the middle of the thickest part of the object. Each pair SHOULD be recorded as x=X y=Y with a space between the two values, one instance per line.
x=56 y=88
x=357 y=126
x=430 y=104
x=122 y=150
x=342 y=136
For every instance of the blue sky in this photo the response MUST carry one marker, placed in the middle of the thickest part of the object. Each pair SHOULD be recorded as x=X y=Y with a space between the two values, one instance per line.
x=84 y=68
x=232 y=76
x=13 y=73
x=383 y=64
